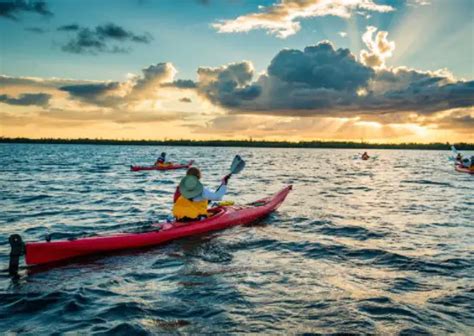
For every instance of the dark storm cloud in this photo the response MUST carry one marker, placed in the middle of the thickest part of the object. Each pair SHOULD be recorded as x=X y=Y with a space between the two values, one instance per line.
x=98 y=40
x=11 y=9
x=321 y=80
x=27 y=99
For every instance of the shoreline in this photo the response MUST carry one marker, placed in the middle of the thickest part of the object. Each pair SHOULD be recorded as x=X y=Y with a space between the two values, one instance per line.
x=240 y=143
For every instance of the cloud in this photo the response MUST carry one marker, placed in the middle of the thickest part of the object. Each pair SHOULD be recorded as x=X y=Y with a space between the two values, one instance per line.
x=462 y=121
x=117 y=116
x=228 y=85
x=38 y=83
x=324 y=81
x=27 y=99
x=182 y=84
x=74 y=118
x=380 y=48
x=283 y=18
x=36 y=30
x=114 y=94
x=69 y=27
x=10 y=9
x=153 y=77
x=142 y=98
x=97 y=40
x=94 y=93
x=416 y=3
x=185 y=100
x=113 y=31
x=320 y=67
x=317 y=77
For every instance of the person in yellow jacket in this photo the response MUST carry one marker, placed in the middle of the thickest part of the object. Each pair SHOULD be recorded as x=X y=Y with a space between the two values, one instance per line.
x=191 y=198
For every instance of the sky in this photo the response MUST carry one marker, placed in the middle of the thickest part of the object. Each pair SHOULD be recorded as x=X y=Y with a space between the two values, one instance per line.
x=296 y=70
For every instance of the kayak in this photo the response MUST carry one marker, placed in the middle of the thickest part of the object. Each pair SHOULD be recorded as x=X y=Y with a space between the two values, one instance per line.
x=164 y=167
x=461 y=169
x=37 y=253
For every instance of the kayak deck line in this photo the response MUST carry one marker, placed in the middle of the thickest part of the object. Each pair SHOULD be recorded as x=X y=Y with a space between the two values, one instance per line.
x=168 y=167
x=44 y=252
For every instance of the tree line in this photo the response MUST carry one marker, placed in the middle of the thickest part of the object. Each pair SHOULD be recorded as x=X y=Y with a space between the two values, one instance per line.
x=241 y=143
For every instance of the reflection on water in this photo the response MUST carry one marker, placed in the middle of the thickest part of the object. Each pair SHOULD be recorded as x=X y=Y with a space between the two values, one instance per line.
x=381 y=246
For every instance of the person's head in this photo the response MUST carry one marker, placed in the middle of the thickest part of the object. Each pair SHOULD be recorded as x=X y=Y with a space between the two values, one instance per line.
x=194 y=172
x=190 y=186
x=163 y=154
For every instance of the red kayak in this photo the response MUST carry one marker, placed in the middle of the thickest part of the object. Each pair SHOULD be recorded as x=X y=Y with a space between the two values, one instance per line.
x=462 y=169
x=164 y=167
x=37 y=253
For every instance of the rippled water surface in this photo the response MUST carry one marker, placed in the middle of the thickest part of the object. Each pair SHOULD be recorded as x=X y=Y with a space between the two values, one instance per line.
x=383 y=246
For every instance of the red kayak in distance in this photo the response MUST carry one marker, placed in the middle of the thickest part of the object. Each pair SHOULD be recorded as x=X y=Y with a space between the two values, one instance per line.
x=164 y=167
x=37 y=253
x=462 y=169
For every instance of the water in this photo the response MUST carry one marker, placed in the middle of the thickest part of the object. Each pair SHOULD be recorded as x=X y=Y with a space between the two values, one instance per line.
x=382 y=246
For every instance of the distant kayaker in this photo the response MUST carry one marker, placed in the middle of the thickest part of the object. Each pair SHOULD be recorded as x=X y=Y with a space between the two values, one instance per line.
x=466 y=162
x=191 y=198
x=161 y=159
x=365 y=156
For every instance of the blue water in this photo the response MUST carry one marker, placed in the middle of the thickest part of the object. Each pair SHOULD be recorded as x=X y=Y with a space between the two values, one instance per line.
x=383 y=246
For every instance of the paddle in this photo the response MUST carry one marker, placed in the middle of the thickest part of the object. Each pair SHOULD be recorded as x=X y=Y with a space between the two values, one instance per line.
x=238 y=164
x=454 y=154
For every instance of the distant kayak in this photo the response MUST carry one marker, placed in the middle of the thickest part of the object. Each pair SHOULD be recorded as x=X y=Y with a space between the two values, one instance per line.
x=461 y=169
x=37 y=253
x=364 y=158
x=163 y=167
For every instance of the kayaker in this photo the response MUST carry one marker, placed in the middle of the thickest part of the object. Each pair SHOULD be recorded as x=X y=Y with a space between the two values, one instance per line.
x=466 y=162
x=365 y=156
x=459 y=157
x=191 y=198
x=161 y=159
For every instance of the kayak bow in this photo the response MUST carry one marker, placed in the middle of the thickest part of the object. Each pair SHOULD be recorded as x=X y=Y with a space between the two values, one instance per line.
x=165 y=167
x=37 y=253
x=462 y=169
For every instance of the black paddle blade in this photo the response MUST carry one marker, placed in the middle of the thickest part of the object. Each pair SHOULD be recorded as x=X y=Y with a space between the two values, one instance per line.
x=237 y=165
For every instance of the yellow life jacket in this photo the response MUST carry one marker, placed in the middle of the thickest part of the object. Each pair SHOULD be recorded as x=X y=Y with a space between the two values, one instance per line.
x=185 y=208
